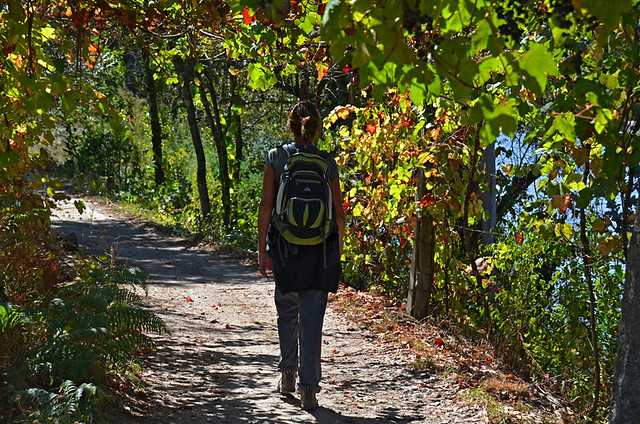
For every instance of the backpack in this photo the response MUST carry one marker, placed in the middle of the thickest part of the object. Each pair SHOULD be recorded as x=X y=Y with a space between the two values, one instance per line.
x=303 y=212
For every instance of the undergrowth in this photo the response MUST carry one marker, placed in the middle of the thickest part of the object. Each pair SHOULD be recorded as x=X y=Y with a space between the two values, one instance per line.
x=61 y=342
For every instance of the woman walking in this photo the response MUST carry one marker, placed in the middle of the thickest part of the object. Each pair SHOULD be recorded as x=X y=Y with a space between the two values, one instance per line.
x=305 y=261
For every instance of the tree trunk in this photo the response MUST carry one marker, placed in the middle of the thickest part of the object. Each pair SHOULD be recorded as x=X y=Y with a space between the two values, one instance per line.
x=488 y=197
x=234 y=116
x=156 y=129
x=239 y=149
x=422 y=261
x=213 y=118
x=585 y=253
x=470 y=245
x=201 y=173
x=626 y=207
x=625 y=397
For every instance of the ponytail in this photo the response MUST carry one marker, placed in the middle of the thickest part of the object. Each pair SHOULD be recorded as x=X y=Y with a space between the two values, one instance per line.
x=304 y=122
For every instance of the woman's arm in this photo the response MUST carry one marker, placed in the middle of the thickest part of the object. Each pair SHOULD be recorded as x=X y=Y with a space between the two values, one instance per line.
x=338 y=211
x=264 y=218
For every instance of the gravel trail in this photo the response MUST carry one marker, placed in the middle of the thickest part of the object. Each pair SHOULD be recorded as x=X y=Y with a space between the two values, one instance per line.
x=218 y=365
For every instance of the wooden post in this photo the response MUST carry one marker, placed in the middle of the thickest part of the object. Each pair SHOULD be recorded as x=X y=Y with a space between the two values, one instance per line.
x=422 y=261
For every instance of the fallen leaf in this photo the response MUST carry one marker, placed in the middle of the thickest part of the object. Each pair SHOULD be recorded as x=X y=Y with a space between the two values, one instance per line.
x=438 y=341
x=189 y=299
x=228 y=326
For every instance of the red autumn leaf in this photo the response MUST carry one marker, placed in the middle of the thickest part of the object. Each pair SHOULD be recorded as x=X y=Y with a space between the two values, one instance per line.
x=93 y=48
x=518 y=238
x=438 y=341
x=562 y=202
x=335 y=351
x=247 y=16
x=371 y=129
x=427 y=200
x=189 y=299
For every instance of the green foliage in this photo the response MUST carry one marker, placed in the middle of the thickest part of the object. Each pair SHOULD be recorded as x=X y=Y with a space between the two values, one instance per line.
x=93 y=323
x=551 y=72
x=441 y=82
x=379 y=154
x=71 y=404
x=101 y=156
x=541 y=309
x=10 y=317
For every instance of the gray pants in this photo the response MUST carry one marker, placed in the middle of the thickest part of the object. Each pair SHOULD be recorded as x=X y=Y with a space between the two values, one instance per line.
x=300 y=316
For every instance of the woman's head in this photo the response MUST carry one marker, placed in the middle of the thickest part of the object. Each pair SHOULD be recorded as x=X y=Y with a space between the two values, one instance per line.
x=305 y=123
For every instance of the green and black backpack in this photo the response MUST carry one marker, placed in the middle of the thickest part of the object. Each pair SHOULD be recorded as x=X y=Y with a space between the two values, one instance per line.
x=303 y=213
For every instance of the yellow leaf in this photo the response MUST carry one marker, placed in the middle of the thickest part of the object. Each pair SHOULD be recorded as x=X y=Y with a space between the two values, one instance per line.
x=323 y=68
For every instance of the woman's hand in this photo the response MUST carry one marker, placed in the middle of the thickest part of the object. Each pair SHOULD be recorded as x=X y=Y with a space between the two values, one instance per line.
x=265 y=264
x=264 y=218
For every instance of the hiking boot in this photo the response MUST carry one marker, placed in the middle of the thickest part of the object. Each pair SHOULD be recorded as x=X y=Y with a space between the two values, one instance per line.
x=287 y=383
x=308 y=399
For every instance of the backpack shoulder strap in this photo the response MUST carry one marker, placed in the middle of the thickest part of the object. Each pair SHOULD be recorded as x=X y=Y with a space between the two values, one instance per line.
x=290 y=149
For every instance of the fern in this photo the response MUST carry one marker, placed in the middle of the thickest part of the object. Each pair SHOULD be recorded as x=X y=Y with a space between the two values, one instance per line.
x=10 y=317
x=12 y=334
x=69 y=405
x=132 y=276
x=95 y=323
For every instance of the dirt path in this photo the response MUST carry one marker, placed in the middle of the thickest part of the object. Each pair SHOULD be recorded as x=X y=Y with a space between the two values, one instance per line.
x=218 y=365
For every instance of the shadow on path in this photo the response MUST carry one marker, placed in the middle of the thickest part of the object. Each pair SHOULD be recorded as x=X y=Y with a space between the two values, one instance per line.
x=218 y=363
x=168 y=260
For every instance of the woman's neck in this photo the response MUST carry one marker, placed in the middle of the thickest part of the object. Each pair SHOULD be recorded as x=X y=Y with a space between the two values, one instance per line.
x=300 y=141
